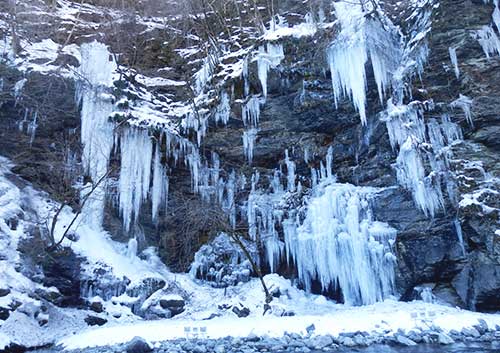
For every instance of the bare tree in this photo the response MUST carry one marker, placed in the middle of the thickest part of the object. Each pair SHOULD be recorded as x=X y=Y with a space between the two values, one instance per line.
x=201 y=223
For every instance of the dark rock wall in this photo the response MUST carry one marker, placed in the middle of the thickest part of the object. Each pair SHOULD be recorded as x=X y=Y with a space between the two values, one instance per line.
x=299 y=114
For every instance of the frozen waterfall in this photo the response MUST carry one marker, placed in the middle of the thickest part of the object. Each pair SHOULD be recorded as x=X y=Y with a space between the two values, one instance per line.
x=333 y=238
x=97 y=70
x=339 y=244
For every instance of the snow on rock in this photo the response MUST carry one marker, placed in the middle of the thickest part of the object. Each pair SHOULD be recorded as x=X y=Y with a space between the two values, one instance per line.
x=278 y=28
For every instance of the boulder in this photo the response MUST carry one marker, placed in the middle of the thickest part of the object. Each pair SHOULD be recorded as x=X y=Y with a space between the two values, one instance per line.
x=96 y=306
x=95 y=320
x=405 y=341
x=138 y=345
x=174 y=303
x=4 y=313
x=320 y=342
x=4 y=292
x=444 y=339
x=241 y=312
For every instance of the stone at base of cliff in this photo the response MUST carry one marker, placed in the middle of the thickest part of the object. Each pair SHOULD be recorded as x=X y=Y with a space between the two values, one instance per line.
x=138 y=345
x=243 y=312
x=95 y=320
x=14 y=348
x=4 y=313
x=405 y=341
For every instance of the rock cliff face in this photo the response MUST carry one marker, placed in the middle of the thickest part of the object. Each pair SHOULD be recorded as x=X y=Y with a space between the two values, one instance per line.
x=455 y=251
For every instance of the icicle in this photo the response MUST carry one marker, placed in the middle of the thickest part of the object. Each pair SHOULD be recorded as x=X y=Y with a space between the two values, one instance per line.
x=407 y=130
x=249 y=138
x=250 y=112
x=306 y=155
x=329 y=163
x=160 y=185
x=244 y=73
x=193 y=160
x=411 y=174
x=204 y=75
x=32 y=127
x=464 y=103
x=135 y=173
x=290 y=167
x=488 y=40
x=18 y=89
x=454 y=61
x=358 y=40
x=132 y=248
x=268 y=59
x=460 y=236
x=223 y=112
x=496 y=17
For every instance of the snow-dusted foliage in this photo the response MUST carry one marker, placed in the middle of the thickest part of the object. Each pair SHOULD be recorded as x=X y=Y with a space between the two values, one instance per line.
x=340 y=244
x=222 y=262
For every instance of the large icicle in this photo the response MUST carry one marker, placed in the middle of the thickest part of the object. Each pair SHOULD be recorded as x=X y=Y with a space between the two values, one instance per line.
x=97 y=69
x=361 y=39
x=267 y=58
x=339 y=244
x=135 y=175
x=249 y=138
x=159 y=190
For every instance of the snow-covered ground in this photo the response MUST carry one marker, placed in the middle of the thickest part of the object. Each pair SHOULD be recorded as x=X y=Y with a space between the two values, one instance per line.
x=386 y=317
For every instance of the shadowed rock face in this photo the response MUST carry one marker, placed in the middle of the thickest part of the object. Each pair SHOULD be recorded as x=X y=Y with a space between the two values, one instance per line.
x=299 y=114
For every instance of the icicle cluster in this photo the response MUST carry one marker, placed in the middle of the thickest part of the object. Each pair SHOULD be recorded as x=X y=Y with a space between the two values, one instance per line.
x=421 y=144
x=136 y=150
x=465 y=104
x=334 y=239
x=487 y=37
x=249 y=138
x=267 y=58
x=339 y=244
x=223 y=111
x=361 y=39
